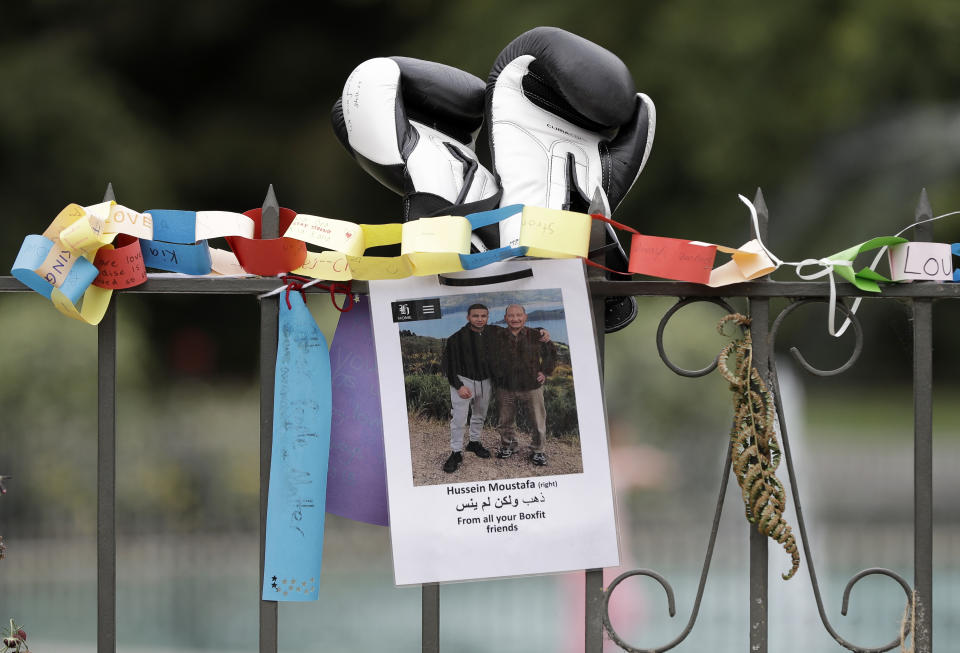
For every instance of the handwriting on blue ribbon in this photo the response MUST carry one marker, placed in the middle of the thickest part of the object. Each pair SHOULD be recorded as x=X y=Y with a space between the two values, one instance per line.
x=296 y=499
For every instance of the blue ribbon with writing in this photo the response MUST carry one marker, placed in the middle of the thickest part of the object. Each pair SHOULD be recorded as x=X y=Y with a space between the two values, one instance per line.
x=296 y=499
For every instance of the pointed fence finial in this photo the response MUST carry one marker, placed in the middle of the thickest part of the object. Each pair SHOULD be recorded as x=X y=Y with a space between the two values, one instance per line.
x=763 y=214
x=270 y=216
x=108 y=195
x=923 y=232
x=598 y=204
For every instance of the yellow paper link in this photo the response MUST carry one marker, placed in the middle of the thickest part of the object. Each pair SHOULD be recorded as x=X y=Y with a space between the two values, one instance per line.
x=95 y=300
x=433 y=245
x=428 y=246
x=80 y=231
x=346 y=242
x=335 y=266
x=552 y=233
x=83 y=230
x=379 y=267
x=425 y=264
x=338 y=235
x=85 y=237
x=70 y=214
x=377 y=235
x=93 y=305
x=445 y=233
x=748 y=262
x=332 y=266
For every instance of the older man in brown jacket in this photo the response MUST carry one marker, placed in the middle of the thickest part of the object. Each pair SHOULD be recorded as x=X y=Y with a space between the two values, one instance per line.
x=522 y=366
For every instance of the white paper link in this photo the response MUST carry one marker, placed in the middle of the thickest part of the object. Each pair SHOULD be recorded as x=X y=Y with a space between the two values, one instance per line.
x=825 y=271
x=828 y=265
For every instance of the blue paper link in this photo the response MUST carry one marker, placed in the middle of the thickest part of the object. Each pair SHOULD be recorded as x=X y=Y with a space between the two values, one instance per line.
x=189 y=259
x=485 y=218
x=173 y=226
x=955 y=249
x=33 y=252
x=296 y=500
x=474 y=261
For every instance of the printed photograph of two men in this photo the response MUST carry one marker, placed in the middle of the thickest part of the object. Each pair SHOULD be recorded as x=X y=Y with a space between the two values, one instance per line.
x=489 y=387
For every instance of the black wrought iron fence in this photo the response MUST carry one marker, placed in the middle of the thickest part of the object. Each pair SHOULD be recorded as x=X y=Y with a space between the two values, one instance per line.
x=918 y=595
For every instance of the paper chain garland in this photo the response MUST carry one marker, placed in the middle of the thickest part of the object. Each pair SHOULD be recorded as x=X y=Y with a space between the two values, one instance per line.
x=87 y=252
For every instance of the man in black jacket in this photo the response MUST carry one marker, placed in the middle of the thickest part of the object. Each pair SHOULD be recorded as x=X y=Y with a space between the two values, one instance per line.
x=467 y=360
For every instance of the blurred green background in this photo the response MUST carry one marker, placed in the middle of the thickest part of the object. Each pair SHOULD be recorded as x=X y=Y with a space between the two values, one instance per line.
x=840 y=111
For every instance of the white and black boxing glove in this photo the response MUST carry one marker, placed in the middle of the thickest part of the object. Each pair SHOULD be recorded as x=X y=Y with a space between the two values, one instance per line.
x=413 y=124
x=565 y=122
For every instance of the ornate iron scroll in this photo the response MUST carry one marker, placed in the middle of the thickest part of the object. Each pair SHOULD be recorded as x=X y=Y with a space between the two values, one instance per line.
x=773 y=381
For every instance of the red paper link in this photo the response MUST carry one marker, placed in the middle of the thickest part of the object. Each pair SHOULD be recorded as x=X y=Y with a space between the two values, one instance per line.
x=273 y=255
x=672 y=258
x=614 y=223
x=120 y=266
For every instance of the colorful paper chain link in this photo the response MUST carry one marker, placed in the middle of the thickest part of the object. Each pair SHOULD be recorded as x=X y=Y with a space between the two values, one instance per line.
x=87 y=252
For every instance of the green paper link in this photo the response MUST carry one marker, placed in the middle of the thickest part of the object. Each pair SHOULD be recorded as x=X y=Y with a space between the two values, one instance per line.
x=866 y=279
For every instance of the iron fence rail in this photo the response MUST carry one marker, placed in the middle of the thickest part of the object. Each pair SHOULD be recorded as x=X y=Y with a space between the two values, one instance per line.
x=758 y=293
x=600 y=288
